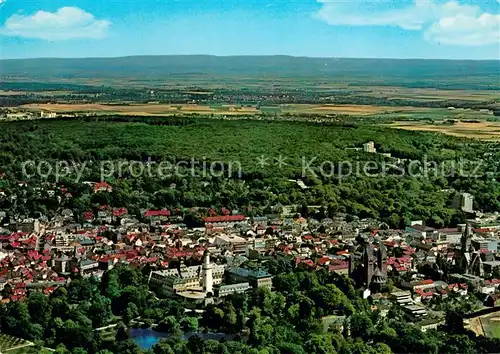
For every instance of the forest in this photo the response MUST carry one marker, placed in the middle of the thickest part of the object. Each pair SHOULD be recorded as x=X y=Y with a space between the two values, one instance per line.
x=287 y=320
x=453 y=74
x=391 y=191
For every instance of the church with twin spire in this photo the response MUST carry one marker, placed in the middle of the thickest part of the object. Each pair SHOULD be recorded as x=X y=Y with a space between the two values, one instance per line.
x=368 y=265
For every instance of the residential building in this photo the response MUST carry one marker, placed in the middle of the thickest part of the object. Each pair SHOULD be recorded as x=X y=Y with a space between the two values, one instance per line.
x=485 y=245
x=235 y=243
x=225 y=290
x=429 y=324
x=422 y=232
x=225 y=221
x=449 y=236
x=256 y=279
x=415 y=311
x=402 y=297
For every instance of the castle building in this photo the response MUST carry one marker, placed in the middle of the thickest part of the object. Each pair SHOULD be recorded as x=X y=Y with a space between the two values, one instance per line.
x=194 y=278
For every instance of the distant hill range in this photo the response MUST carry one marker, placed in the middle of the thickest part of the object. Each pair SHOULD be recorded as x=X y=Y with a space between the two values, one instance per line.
x=472 y=72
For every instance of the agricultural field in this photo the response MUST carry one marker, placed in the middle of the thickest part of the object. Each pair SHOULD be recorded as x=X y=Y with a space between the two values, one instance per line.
x=440 y=114
x=479 y=130
x=428 y=94
x=361 y=110
x=152 y=109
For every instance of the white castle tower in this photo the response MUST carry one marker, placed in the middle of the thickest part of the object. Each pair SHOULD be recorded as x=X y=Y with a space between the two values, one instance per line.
x=208 y=280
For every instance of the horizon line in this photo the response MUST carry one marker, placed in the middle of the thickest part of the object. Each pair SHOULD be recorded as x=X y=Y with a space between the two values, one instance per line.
x=242 y=56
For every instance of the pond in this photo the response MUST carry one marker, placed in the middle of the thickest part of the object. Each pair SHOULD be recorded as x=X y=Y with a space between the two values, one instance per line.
x=147 y=338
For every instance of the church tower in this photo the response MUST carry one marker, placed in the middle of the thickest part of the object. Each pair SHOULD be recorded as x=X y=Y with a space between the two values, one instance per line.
x=351 y=264
x=207 y=273
x=464 y=255
x=382 y=259
x=466 y=239
x=368 y=264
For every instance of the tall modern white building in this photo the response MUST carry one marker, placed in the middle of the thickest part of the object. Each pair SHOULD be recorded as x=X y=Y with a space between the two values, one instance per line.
x=465 y=202
x=369 y=147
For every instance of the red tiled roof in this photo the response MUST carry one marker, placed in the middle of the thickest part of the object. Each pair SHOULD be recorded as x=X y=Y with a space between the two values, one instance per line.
x=120 y=212
x=323 y=260
x=16 y=298
x=30 y=240
x=484 y=230
x=308 y=262
x=342 y=265
x=163 y=212
x=49 y=290
x=101 y=185
x=225 y=218
x=448 y=230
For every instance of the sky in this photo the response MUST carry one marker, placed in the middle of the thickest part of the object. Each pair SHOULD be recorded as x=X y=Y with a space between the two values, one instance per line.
x=442 y=29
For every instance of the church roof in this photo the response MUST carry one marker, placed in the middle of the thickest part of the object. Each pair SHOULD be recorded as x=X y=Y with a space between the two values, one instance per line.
x=378 y=277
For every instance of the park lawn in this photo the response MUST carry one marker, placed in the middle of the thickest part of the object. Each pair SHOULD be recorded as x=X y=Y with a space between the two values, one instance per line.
x=492 y=327
x=495 y=331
